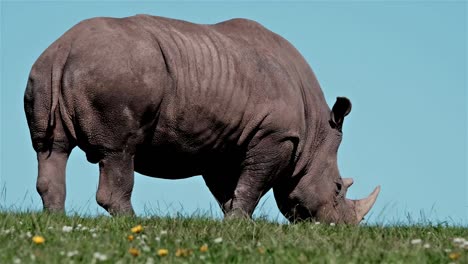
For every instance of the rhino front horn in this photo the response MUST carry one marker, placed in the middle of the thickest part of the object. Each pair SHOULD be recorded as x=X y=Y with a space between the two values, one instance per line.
x=363 y=206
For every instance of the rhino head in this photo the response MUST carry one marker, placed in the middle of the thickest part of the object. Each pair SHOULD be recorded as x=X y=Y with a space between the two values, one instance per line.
x=320 y=193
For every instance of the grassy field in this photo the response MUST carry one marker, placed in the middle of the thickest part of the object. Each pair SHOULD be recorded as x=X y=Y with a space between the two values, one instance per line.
x=49 y=238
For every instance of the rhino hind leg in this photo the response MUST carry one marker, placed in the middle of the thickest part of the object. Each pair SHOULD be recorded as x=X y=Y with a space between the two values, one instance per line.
x=51 y=179
x=116 y=178
x=238 y=194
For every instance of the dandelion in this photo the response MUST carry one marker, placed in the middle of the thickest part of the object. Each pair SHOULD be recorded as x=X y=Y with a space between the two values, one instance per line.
x=38 y=240
x=137 y=229
x=181 y=252
x=134 y=252
x=99 y=256
x=218 y=240
x=204 y=248
x=416 y=241
x=261 y=250
x=130 y=237
x=454 y=255
x=163 y=252
x=67 y=229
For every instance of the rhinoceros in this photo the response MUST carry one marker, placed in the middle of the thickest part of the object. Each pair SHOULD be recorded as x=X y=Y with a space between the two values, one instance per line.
x=232 y=101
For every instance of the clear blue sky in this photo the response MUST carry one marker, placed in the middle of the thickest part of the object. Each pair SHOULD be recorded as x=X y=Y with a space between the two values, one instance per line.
x=403 y=65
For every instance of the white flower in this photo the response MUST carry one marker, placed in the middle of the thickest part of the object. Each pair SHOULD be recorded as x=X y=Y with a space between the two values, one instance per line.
x=218 y=240
x=28 y=234
x=145 y=248
x=317 y=223
x=72 y=253
x=332 y=224
x=458 y=240
x=94 y=235
x=163 y=232
x=464 y=244
x=427 y=245
x=99 y=256
x=447 y=250
x=67 y=229
x=150 y=260
x=16 y=261
x=157 y=238
x=202 y=257
x=49 y=227
x=178 y=241
x=416 y=241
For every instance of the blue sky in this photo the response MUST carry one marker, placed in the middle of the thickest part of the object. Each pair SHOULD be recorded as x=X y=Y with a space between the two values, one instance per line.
x=402 y=64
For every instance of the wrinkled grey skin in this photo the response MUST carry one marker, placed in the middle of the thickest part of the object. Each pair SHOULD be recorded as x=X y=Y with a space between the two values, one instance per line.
x=233 y=102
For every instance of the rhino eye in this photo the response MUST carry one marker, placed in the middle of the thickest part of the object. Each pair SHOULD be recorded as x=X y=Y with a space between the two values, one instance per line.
x=339 y=194
x=338 y=187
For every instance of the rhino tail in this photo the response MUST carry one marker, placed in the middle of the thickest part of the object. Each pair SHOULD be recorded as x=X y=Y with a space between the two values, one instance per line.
x=57 y=70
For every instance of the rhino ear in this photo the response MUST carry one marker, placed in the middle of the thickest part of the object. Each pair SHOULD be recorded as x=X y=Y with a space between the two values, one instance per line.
x=340 y=109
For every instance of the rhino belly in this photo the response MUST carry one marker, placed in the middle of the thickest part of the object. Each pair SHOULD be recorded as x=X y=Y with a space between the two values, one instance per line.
x=167 y=162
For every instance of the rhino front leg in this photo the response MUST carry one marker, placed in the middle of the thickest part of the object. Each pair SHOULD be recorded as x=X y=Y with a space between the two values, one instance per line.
x=238 y=196
x=116 y=178
x=51 y=179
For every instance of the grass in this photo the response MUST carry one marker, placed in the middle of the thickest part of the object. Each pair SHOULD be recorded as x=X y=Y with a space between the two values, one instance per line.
x=75 y=239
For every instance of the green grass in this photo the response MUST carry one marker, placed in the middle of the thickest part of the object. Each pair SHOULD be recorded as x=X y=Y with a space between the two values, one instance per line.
x=243 y=241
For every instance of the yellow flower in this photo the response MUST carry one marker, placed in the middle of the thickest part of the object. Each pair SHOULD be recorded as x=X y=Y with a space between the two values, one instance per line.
x=137 y=229
x=204 y=248
x=38 y=239
x=135 y=252
x=261 y=250
x=183 y=252
x=454 y=255
x=163 y=252
x=130 y=237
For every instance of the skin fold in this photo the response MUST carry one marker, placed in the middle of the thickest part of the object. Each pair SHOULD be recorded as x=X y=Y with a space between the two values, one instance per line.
x=233 y=102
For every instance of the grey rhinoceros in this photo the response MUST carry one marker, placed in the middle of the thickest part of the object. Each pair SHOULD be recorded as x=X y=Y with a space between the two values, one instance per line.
x=233 y=102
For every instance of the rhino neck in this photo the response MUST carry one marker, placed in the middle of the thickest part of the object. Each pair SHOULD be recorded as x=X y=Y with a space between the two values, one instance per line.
x=316 y=131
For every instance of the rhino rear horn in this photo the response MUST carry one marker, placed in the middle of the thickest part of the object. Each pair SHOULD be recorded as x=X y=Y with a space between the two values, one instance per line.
x=347 y=182
x=363 y=206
